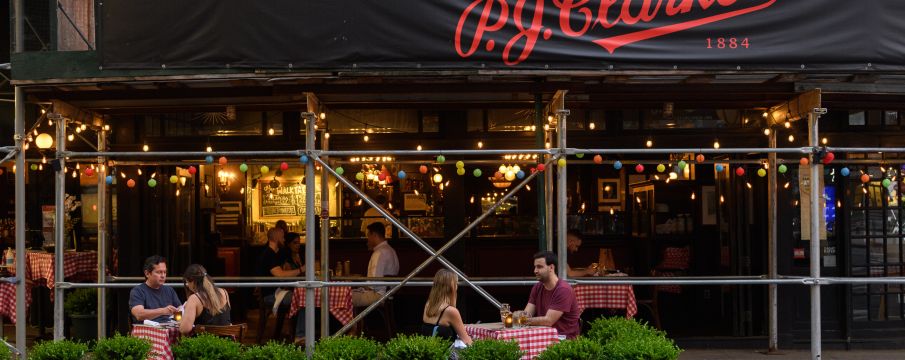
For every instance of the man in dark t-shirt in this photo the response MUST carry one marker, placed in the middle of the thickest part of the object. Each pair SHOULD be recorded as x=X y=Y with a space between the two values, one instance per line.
x=552 y=301
x=270 y=263
x=152 y=300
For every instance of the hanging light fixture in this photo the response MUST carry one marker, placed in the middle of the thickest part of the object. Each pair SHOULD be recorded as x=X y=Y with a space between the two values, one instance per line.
x=44 y=141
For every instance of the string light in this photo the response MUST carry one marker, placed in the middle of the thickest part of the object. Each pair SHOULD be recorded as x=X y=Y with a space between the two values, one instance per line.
x=106 y=127
x=71 y=137
x=367 y=138
x=270 y=131
x=765 y=114
x=480 y=144
x=649 y=143
x=326 y=135
x=210 y=149
x=84 y=127
x=592 y=126
x=145 y=148
x=786 y=185
x=791 y=138
x=692 y=195
x=823 y=141
x=767 y=131
x=722 y=199
x=787 y=124
x=418 y=148
x=716 y=144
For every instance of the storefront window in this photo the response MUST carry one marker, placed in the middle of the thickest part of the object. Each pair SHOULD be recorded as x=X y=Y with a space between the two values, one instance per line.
x=373 y=121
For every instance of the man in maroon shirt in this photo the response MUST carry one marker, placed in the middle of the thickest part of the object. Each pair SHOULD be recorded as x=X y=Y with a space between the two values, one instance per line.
x=552 y=301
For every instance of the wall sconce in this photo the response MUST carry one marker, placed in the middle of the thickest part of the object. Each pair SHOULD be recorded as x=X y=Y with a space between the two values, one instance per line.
x=224 y=178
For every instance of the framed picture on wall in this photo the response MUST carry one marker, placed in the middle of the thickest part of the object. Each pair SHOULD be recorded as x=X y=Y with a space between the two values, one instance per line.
x=708 y=205
x=609 y=191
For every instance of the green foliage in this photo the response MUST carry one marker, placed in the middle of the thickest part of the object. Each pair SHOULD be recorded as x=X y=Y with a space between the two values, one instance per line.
x=58 y=350
x=630 y=340
x=5 y=352
x=273 y=351
x=81 y=302
x=206 y=347
x=122 y=347
x=491 y=349
x=577 y=349
x=346 y=348
x=416 y=347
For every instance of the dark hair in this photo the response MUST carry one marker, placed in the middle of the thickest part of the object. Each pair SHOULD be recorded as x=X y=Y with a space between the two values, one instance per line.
x=548 y=256
x=292 y=237
x=152 y=261
x=574 y=233
x=378 y=228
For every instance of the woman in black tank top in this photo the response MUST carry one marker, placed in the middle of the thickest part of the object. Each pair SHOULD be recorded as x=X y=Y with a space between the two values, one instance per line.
x=440 y=317
x=207 y=304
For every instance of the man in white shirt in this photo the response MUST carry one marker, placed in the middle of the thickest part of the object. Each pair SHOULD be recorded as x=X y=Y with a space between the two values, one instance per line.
x=372 y=215
x=383 y=263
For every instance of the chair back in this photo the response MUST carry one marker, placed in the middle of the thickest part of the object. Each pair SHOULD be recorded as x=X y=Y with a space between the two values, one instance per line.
x=235 y=331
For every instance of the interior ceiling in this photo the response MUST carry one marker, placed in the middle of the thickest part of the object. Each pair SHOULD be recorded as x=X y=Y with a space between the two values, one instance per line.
x=616 y=90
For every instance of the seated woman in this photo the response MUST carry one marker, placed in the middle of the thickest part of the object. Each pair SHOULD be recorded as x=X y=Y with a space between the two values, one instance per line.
x=294 y=246
x=441 y=318
x=207 y=304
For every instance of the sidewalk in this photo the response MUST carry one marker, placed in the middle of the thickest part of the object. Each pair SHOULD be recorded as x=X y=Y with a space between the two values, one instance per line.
x=696 y=354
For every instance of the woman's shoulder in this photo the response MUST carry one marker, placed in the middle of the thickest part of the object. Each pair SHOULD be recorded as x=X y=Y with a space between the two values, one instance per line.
x=452 y=311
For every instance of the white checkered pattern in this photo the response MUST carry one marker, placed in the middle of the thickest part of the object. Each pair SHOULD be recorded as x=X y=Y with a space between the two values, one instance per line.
x=532 y=340
x=340 y=302
x=162 y=340
x=607 y=297
x=8 y=300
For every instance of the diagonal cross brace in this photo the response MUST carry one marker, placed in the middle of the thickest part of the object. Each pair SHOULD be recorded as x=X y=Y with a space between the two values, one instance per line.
x=435 y=255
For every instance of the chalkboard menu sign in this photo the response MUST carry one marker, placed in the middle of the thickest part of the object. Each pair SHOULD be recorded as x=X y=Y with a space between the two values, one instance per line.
x=286 y=200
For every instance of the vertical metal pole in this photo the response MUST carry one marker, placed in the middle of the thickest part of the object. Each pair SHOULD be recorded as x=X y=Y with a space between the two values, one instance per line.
x=101 y=235
x=816 y=215
x=310 y=119
x=21 y=321
x=772 y=193
x=325 y=234
x=548 y=204
x=539 y=133
x=59 y=229
x=561 y=203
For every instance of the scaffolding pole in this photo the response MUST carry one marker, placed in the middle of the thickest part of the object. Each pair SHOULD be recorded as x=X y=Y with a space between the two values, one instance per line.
x=59 y=228
x=772 y=236
x=816 y=216
x=325 y=243
x=561 y=201
x=21 y=319
x=310 y=119
x=101 y=235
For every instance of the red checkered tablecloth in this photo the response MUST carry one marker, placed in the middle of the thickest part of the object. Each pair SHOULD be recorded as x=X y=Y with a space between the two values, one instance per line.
x=607 y=297
x=8 y=300
x=78 y=265
x=162 y=339
x=340 y=302
x=532 y=340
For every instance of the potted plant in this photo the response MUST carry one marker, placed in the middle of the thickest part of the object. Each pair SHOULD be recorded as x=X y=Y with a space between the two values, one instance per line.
x=58 y=350
x=491 y=349
x=81 y=306
x=404 y=347
x=346 y=347
x=122 y=347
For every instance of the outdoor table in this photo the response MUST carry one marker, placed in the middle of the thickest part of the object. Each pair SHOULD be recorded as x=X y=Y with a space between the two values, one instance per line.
x=340 y=302
x=607 y=297
x=162 y=339
x=533 y=340
x=8 y=301
x=39 y=266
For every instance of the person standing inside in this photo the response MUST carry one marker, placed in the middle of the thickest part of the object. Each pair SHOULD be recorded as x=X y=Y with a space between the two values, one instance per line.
x=383 y=263
x=152 y=299
x=552 y=301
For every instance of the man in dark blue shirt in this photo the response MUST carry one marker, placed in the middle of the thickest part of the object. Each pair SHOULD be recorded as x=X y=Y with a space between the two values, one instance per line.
x=152 y=300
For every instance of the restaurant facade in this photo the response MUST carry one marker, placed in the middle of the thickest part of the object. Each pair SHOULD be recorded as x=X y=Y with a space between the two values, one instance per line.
x=189 y=141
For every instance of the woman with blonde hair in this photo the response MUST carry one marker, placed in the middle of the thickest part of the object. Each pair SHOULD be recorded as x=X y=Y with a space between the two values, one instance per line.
x=440 y=317
x=207 y=304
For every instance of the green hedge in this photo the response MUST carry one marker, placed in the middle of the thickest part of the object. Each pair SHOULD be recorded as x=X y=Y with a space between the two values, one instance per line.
x=491 y=349
x=346 y=348
x=577 y=349
x=122 y=347
x=5 y=352
x=208 y=347
x=417 y=347
x=81 y=302
x=58 y=350
x=625 y=339
x=274 y=351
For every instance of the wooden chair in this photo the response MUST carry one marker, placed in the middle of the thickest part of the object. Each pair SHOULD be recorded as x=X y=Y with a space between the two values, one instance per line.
x=264 y=314
x=235 y=331
x=386 y=313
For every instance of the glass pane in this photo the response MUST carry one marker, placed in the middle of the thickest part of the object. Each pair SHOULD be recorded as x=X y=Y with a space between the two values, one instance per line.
x=510 y=119
x=475 y=120
x=875 y=313
x=577 y=120
x=860 y=288
x=891 y=118
x=893 y=224
x=892 y=251
x=875 y=221
x=597 y=120
x=895 y=271
x=856 y=118
x=859 y=226
x=859 y=308
x=430 y=123
x=360 y=121
x=894 y=307
x=876 y=253
x=859 y=253
x=670 y=118
x=274 y=122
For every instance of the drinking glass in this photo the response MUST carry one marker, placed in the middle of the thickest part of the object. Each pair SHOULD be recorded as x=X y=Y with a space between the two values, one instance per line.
x=523 y=319
x=504 y=311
